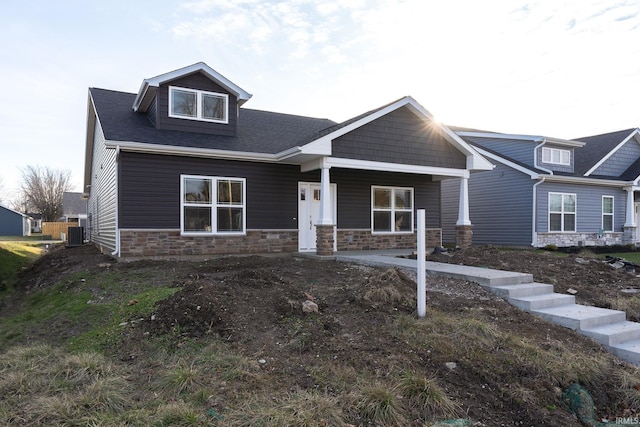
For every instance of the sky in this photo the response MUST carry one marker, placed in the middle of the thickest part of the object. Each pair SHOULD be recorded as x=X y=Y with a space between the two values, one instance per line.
x=563 y=69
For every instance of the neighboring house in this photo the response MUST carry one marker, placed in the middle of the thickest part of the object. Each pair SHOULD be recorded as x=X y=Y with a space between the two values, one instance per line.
x=13 y=223
x=548 y=191
x=74 y=208
x=183 y=168
x=36 y=222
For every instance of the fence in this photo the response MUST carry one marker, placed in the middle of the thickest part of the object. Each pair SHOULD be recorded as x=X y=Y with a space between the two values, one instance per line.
x=57 y=230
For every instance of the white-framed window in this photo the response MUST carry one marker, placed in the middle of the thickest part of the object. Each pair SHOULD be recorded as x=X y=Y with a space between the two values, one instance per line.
x=391 y=209
x=556 y=156
x=562 y=212
x=198 y=105
x=212 y=205
x=607 y=213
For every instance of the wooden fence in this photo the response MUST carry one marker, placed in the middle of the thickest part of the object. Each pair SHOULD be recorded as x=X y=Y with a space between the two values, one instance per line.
x=57 y=230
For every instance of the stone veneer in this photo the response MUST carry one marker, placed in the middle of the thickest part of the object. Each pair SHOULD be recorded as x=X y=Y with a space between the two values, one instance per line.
x=464 y=236
x=324 y=240
x=169 y=243
x=579 y=239
x=364 y=240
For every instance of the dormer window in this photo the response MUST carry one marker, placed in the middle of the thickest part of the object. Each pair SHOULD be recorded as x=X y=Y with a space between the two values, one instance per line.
x=556 y=156
x=198 y=105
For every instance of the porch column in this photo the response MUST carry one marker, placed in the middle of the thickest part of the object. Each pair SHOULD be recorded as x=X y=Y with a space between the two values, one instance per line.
x=464 y=229
x=325 y=225
x=630 y=226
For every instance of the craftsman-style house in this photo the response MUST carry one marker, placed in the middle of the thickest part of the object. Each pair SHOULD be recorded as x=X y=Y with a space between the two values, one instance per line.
x=183 y=168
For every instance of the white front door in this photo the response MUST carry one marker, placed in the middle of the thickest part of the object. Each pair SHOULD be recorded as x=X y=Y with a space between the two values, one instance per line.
x=309 y=196
x=637 y=220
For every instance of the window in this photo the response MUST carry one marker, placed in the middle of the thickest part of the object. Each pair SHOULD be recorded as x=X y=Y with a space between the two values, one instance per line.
x=556 y=156
x=392 y=210
x=562 y=212
x=212 y=205
x=198 y=105
x=607 y=213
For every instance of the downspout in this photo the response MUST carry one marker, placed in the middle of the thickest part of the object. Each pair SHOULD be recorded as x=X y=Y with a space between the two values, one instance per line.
x=116 y=252
x=534 y=234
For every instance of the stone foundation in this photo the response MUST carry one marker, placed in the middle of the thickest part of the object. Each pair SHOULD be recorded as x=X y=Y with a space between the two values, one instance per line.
x=364 y=240
x=562 y=240
x=464 y=236
x=170 y=244
x=324 y=240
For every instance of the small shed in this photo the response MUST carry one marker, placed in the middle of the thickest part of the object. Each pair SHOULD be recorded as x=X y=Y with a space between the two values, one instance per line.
x=13 y=223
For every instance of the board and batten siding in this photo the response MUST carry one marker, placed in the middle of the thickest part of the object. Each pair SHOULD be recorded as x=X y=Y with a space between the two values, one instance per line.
x=399 y=137
x=500 y=207
x=102 y=197
x=199 y=82
x=588 y=207
x=620 y=161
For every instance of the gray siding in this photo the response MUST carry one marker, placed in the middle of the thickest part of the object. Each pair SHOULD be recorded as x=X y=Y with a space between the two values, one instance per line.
x=200 y=82
x=11 y=223
x=518 y=150
x=500 y=207
x=399 y=137
x=619 y=162
x=102 y=198
x=588 y=208
x=150 y=186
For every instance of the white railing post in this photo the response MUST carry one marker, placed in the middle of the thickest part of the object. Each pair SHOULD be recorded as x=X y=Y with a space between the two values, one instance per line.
x=422 y=266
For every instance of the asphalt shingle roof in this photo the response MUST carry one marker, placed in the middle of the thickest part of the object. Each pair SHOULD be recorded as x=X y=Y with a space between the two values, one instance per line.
x=596 y=148
x=258 y=131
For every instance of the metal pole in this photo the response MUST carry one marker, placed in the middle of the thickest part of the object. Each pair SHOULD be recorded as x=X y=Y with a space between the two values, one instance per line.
x=422 y=266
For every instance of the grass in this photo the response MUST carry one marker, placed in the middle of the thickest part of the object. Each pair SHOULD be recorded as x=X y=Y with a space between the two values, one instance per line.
x=14 y=256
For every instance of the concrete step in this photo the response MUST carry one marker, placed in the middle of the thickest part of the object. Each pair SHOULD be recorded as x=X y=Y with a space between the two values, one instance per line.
x=629 y=351
x=521 y=290
x=580 y=317
x=615 y=333
x=539 y=302
x=480 y=275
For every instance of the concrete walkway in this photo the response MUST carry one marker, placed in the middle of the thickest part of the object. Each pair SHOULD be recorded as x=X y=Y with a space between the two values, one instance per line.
x=607 y=327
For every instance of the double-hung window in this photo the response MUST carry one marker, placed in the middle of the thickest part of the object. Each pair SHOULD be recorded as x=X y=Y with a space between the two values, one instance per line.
x=607 y=213
x=392 y=209
x=556 y=156
x=562 y=212
x=198 y=105
x=212 y=205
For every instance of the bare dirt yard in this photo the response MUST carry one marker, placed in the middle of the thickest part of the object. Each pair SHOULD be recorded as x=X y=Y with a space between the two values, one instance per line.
x=365 y=329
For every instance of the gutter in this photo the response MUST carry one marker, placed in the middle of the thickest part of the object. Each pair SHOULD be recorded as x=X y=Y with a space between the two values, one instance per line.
x=534 y=234
x=116 y=251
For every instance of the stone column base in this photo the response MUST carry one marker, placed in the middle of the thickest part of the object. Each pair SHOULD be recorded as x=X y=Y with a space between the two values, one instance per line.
x=464 y=236
x=629 y=235
x=324 y=240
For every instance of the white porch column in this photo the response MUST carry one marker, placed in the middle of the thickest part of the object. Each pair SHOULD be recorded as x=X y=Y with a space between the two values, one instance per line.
x=630 y=220
x=463 y=203
x=326 y=217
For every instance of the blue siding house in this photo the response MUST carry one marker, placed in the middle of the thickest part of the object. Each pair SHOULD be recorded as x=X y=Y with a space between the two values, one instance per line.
x=549 y=191
x=14 y=223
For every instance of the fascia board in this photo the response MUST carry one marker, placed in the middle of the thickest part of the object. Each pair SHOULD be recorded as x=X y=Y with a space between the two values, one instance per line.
x=382 y=166
x=589 y=181
x=517 y=137
x=610 y=153
x=533 y=174
x=92 y=122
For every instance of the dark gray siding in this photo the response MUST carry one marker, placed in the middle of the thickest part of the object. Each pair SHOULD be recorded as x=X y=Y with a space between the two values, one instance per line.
x=521 y=151
x=399 y=137
x=500 y=207
x=11 y=223
x=200 y=82
x=619 y=162
x=588 y=208
x=150 y=187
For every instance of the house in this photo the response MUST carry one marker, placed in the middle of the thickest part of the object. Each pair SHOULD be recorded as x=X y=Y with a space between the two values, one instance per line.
x=183 y=168
x=549 y=191
x=74 y=208
x=13 y=223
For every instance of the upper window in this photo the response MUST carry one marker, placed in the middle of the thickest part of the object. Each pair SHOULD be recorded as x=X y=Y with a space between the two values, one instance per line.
x=392 y=209
x=562 y=212
x=607 y=213
x=556 y=156
x=198 y=105
x=212 y=205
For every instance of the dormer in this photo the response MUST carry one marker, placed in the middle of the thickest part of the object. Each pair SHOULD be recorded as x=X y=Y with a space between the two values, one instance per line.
x=192 y=99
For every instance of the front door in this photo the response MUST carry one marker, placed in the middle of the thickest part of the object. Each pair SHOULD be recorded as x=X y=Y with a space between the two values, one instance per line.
x=637 y=220
x=309 y=196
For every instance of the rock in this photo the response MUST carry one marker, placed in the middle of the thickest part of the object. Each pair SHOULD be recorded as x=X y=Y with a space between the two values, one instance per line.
x=582 y=261
x=572 y=291
x=630 y=291
x=309 y=307
x=451 y=365
x=262 y=361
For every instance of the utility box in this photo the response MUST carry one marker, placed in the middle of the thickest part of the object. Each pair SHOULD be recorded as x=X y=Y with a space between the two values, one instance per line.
x=76 y=236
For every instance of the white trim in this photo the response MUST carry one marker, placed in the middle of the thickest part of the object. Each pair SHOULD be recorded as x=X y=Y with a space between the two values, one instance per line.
x=519 y=137
x=611 y=153
x=382 y=166
x=551 y=150
x=199 y=105
x=612 y=214
x=532 y=174
x=392 y=209
x=562 y=212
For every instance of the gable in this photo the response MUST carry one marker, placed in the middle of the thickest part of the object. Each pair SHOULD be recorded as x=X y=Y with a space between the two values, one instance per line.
x=400 y=136
x=619 y=161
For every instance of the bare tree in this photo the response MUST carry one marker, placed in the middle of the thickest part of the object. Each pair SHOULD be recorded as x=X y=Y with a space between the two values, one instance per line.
x=43 y=187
